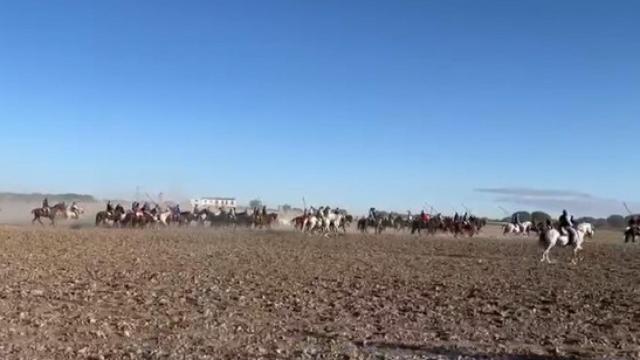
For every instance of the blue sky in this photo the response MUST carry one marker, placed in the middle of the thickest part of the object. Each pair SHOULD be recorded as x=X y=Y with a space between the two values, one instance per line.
x=353 y=103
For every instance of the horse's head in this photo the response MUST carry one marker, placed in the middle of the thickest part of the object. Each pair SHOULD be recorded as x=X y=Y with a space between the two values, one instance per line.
x=590 y=231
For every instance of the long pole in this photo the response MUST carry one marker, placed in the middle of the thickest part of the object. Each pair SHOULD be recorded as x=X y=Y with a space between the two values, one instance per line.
x=466 y=208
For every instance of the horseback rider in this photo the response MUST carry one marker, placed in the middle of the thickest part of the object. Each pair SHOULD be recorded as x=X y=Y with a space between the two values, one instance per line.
x=515 y=219
x=196 y=210
x=74 y=208
x=372 y=214
x=45 y=206
x=109 y=208
x=566 y=225
x=456 y=218
x=424 y=217
x=465 y=217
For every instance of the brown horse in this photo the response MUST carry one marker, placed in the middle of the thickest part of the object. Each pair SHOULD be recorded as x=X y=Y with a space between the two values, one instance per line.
x=103 y=217
x=267 y=220
x=139 y=218
x=298 y=222
x=49 y=213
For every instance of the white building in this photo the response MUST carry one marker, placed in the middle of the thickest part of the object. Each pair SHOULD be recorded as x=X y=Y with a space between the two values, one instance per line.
x=218 y=202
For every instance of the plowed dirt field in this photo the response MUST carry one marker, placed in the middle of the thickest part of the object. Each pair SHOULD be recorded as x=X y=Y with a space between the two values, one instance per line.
x=222 y=294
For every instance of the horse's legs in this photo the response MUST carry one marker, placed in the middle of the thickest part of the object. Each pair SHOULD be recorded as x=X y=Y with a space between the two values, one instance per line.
x=545 y=254
x=575 y=254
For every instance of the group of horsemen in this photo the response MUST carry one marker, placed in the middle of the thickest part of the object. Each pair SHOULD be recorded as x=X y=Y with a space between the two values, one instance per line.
x=566 y=224
x=47 y=209
x=424 y=217
x=258 y=215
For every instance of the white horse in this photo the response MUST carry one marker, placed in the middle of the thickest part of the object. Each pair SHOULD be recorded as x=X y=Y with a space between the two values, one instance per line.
x=164 y=215
x=523 y=228
x=551 y=237
x=587 y=228
x=333 y=222
x=310 y=223
x=73 y=212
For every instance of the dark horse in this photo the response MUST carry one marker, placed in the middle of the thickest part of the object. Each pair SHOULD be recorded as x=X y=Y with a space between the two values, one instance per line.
x=365 y=222
x=267 y=220
x=115 y=216
x=434 y=224
x=50 y=213
x=631 y=234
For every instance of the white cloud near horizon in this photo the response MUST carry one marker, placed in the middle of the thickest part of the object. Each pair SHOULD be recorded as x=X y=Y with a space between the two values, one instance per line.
x=554 y=201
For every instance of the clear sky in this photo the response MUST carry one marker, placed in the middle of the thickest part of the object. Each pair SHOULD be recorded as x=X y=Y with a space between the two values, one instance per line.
x=353 y=103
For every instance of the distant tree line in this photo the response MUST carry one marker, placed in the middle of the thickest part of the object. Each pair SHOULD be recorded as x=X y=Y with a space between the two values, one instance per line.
x=53 y=198
x=613 y=221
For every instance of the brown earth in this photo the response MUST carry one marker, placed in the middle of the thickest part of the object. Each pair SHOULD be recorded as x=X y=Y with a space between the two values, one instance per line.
x=195 y=293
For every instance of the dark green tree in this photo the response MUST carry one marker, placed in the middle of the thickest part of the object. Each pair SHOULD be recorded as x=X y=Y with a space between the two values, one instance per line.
x=539 y=216
x=616 y=221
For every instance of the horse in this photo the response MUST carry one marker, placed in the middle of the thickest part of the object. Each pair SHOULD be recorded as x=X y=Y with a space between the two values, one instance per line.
x=74 y=212
x=551 y=236
x=298 y=222
x=311 y=223
x=267 y=220
x=49 y=213
x=631 y=233
x=589 y=230
x=335 y=221
x=464 y=228
x=401 y=223
x=366 y=222
x=243 y=219
x=115 y=217
x=522 y=228
x=166 y=217
x=418 y=224
x=137 y=218
x=431 y=226
x=219 y=219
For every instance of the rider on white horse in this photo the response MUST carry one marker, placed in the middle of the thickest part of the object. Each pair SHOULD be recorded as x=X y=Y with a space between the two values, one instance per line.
x=566 y=225
x=515 y=220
